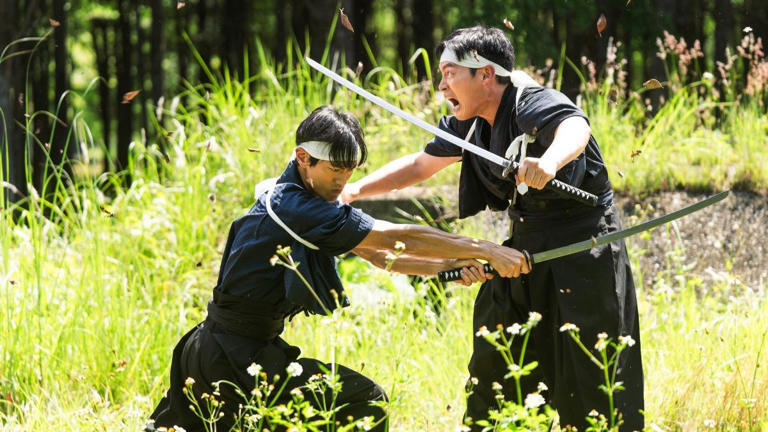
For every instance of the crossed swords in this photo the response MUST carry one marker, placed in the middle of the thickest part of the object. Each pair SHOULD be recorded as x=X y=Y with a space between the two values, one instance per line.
x=512 y=166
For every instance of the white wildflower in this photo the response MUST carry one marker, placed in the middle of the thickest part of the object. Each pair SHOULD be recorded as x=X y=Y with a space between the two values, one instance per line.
x=514 y=329
x=496 y=386
x=253 y=369
x=534 y=400
x=627 y=340
x=709 y=423
x=542 y=387
x=534 y=318
x=569 y=327
x=294 y=369
x=482 y=332
x=189 y=381
x=593 y=413
x=747 y=29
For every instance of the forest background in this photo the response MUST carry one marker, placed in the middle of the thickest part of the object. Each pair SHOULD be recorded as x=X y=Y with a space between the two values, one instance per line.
x=132 y=134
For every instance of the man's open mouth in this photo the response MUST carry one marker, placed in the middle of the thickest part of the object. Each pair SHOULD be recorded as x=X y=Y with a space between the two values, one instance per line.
x=454 y=102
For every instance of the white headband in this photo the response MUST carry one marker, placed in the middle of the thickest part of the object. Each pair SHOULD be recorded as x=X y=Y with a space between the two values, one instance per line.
x=320 y=149
x=472 y=61
x=476 y=61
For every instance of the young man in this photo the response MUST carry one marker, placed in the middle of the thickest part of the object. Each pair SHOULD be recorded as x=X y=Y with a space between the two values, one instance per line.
x=253 y=297
x=511 y=115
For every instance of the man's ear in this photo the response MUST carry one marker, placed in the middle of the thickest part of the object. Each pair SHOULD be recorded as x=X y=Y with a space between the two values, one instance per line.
x=488 y=73
x=302 y=157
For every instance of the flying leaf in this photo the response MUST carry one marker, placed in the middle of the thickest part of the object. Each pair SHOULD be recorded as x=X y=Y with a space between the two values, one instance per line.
x=212 y=197
x=508 y=23
x=652 y=83
x=621 y=174
x=53 y=22
x=180 y=5
x=628 y=2
x=253 y=150
x=128 y=97
x=21 y=99
x=359 y=69
x=345 y=21
x=601 y=23
x=635 y=153
x=107 y=211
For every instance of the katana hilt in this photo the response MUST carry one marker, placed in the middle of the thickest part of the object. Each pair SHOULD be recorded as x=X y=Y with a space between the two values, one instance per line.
x=561 y=188
x=455 y=274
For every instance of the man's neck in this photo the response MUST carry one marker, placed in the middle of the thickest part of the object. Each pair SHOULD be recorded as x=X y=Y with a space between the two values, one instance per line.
x=491 y=106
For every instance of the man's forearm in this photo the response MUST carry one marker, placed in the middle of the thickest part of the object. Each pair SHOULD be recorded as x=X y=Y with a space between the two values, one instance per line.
x=406 y=264
x=570 y=140
x=427 y=242
x=397 y=174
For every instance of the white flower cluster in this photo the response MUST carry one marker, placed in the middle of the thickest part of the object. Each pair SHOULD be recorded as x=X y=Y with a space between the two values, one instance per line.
x=294 y=369
x=253 y=369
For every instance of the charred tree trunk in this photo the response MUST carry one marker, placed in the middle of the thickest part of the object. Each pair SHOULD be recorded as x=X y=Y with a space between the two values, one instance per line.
x=41 y=101
x=60 y=149
x=281 y=35
x=12 y=145
x=401 y=33
x=124 y=85
x=141 y=76
x=101 y=48
x=237 y=16
x=422 y=26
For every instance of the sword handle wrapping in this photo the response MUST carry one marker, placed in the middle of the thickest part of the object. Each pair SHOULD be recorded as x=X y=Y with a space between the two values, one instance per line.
x=561 y=188
x=455 y=274
x=572 y=192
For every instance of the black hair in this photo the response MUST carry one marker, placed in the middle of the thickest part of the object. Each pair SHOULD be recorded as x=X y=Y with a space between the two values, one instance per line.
x=489 y=42
x=342 y=130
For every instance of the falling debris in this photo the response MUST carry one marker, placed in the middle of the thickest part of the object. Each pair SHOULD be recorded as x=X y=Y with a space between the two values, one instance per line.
x=128 y=97
x=621 y=174
x=635 y=153
x=253 y=150
x=359 y=69
x=180 y=5
x=628 y=2
x=652 y=83
x=106 y=211
x=345 y=21
x=53 y=22
x=601 y=23
x=508 y=24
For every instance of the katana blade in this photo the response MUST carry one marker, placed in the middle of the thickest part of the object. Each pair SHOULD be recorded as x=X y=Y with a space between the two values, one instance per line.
x=555 y=185
x=485 y=154
x=539 y=257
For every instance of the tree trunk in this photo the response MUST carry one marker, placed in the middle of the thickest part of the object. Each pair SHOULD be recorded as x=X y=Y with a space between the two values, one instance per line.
x=101 y=48
x=61 y=149
x=124 y=85
x=12 y=147
x=41 y=101
x=723 y=16
x=141 y=76
x=281 y=35
x=422 y=26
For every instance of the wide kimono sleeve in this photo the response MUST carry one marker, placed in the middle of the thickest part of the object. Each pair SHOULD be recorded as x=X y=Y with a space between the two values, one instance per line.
x=442 y=148
x=540 y=110
x=335 y=228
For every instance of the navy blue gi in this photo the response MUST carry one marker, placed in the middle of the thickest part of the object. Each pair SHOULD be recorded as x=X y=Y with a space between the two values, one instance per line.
x=252 y=299
x=592 y=289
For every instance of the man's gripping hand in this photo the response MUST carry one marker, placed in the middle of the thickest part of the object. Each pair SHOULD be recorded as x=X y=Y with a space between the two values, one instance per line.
x=536 y=172
x=508 y=262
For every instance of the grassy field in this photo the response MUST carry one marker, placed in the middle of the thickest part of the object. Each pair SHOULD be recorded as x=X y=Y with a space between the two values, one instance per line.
x=97 y=287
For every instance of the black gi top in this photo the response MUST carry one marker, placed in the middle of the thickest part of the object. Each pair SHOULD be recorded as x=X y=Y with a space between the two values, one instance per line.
x=539 y=113
x=334 y=228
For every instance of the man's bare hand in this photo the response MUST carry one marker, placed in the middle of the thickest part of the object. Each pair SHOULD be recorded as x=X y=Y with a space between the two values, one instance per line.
x=472 y=271
x=350 y=193
x=536 y=172
x=508 y=262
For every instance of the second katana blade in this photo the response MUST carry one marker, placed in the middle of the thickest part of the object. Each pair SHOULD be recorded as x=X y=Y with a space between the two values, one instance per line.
x=539 y=257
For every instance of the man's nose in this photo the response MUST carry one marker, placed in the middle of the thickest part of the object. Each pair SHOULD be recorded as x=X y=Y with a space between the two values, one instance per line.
x=441 y=86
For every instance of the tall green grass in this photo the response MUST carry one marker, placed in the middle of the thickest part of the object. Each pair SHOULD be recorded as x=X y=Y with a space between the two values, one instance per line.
x=96 y=293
